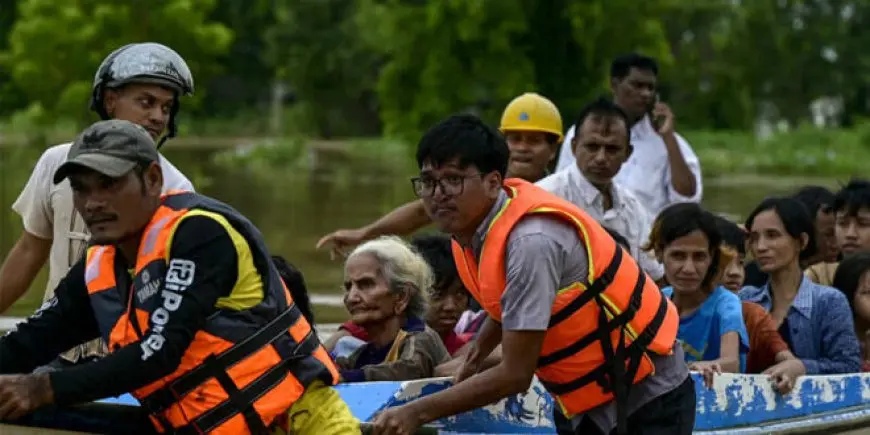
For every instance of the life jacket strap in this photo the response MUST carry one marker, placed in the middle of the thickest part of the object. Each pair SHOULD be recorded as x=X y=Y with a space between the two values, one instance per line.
x=595 y=289
x=613 y=375
x=604 y=329
x=216 y=366
x=242 y=401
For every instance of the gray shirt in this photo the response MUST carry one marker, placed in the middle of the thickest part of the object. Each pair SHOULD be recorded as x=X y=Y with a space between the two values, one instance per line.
x=543 y=255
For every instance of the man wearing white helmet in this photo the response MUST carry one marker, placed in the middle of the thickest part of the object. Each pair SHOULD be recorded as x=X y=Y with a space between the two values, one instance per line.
x=140 y=83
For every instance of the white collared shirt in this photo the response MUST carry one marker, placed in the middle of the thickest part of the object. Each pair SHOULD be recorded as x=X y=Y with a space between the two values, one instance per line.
x=47 y=211
x=647 y=172
x=628 y=216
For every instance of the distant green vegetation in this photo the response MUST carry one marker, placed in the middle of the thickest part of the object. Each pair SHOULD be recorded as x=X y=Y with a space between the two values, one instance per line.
x=807 y=151
x=724 y=64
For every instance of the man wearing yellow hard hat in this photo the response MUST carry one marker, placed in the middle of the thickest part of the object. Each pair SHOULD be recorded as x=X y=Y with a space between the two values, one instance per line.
x=533 y=129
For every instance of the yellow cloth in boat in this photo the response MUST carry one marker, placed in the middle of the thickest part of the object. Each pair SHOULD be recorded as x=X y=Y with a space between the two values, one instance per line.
x=320 y=411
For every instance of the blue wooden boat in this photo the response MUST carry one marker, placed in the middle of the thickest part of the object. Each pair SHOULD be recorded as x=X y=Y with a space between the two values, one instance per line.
x=737 y=404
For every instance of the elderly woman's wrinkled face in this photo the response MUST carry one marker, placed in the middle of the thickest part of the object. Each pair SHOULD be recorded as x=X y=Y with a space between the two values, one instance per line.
x=367 y=295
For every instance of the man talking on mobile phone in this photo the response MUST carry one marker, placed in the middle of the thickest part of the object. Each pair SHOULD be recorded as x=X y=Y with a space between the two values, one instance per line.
x=663 y=169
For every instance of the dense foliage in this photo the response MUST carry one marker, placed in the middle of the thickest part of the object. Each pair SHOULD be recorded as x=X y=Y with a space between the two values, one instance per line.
x=366 y=67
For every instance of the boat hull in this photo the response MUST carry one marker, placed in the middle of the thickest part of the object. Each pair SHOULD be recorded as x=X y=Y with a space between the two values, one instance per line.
x=737 y=404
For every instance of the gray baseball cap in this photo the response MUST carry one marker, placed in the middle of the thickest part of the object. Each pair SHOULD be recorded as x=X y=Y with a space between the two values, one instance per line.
x=112 y=148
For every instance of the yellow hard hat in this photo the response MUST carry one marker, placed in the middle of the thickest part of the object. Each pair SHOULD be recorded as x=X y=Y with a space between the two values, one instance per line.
x=532 y=112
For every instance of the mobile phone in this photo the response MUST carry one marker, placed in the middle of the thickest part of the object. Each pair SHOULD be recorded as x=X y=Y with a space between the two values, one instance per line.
x=657 y=121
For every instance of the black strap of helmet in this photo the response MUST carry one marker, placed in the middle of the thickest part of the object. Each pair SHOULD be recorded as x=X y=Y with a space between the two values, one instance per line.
x=172 y=126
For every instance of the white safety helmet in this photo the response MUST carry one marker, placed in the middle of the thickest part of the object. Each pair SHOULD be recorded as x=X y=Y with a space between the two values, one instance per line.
x=146 y=62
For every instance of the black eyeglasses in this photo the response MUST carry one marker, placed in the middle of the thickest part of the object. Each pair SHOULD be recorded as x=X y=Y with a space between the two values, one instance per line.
x=451 y=185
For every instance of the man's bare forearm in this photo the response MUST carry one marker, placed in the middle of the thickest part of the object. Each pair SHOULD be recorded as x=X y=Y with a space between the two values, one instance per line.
x=487 y=340
x=451 y=367
x=682 y=178
x=511 y=376
x=402 y=221
x=20 y=268
x=481 y=390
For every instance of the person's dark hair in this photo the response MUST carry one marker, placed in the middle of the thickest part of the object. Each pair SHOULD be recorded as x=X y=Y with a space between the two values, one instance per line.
x=815 y=199
x=467 y=138
x=295 y=283
x=732 y=235
x=622 y=65
x=852 y=197
x=619 y=238
x=602 y=107
x=848 y=275
x=795 y=218
x=681 y=219
x=436 y=250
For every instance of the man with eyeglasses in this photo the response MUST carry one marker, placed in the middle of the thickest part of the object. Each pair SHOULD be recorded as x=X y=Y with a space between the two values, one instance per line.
x=562 y=299
x=450 y=185
x=532 y=127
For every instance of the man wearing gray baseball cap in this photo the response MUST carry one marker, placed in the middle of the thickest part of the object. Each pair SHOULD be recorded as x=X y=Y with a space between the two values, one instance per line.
x=112 y=148
x=182 y=289
x=142 y=82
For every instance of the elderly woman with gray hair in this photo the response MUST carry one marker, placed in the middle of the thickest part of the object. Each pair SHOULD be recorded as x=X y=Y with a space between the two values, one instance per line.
x=386 y=285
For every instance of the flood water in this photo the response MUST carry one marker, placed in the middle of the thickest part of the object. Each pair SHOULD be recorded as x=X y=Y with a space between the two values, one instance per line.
x=294 y=206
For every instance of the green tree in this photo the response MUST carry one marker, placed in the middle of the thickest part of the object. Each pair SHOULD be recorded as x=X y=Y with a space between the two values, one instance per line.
x=444 y=57
x=459 y=55
x=11 y=97
x=55 y=47
x=315 y=48
x=706 y=86
x=795 y=51
x=602 y=30
x=243 y=82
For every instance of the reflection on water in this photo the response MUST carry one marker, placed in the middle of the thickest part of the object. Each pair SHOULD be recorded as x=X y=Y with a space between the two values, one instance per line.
x=293 y=207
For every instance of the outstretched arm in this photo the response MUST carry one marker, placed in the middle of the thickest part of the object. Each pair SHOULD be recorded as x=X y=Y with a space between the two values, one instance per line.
x=21 y=266
x=402 y=221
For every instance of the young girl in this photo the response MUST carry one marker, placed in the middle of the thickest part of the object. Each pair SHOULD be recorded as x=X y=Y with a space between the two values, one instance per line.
x=814 y=320
x=687 y=242
x=853 y=279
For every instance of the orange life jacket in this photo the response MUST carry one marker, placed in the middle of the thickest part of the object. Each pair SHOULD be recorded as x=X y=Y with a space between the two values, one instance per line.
x=619 y=315
x=243 y=369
